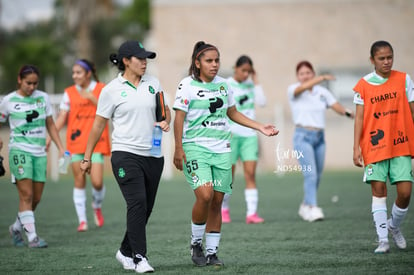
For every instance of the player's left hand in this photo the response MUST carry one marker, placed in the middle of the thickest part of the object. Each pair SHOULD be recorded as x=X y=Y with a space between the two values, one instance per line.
x=164 y=126
x=269 y=130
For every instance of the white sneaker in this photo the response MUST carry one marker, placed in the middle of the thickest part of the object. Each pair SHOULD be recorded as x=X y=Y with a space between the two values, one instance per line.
x=127 y=262
x=304 y=212
x=316 y=214
x=397 y=236
x=143 y=266
x=382 y=248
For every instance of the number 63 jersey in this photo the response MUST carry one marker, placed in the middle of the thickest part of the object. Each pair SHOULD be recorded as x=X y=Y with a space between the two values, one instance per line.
x=27 y=119
x=205 y=104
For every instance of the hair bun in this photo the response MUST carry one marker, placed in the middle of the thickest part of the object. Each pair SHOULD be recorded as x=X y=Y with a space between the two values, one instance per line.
x=114 y=58
x=199 y=44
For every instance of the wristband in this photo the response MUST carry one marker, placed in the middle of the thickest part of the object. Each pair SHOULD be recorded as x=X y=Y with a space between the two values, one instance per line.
x=347 y=113
x=84 y=160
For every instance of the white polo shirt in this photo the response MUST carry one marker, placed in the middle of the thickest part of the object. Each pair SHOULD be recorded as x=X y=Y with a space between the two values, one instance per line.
x=308 y=109
x=132 y=110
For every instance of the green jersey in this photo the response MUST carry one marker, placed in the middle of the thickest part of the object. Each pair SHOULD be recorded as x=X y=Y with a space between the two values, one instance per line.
x=206 y=123
x=246 y=96
x=27 y=119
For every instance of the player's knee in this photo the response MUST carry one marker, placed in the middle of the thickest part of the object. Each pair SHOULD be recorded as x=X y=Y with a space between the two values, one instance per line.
x=205 y=197
x=403 y=199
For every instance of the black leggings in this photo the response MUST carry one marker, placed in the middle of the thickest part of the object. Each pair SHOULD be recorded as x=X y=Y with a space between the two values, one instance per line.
x=138 y=178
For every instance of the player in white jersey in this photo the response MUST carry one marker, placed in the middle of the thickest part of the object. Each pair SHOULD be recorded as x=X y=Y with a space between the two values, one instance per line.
x=30 y=118
x=203 y=104
x=244 y=142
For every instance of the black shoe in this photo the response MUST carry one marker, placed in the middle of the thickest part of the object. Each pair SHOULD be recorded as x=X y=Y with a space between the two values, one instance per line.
x=213 y=260
x=197 y=254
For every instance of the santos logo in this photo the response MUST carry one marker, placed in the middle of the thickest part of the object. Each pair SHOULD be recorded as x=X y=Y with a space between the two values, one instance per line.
x=378 y=115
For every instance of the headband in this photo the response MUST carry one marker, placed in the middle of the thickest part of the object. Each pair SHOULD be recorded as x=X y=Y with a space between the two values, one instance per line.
x=205 y=49
x=84 y=65
x=27 y=69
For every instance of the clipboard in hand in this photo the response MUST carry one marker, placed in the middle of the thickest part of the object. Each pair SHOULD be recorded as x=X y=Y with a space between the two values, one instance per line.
x=160 y=113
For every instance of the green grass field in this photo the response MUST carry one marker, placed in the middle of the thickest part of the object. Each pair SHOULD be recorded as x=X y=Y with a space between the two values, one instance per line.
x=284 y=244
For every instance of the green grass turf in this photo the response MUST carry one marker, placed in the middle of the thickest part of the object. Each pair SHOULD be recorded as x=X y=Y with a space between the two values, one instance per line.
x=284 y=244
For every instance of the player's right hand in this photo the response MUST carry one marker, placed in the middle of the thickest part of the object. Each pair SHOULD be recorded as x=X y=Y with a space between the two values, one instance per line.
x=85 y=166
x=357 y=158
x=179 y=156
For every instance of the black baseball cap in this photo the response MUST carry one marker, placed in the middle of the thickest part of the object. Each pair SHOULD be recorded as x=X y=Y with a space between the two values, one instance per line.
x=134 y=48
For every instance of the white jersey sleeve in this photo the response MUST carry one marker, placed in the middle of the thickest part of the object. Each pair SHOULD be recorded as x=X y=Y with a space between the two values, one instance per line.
x=230 y=97
x=4 y=112
x=65 y=102
x=259 y=96
x=409 y=88
x=358 y=99
x=182 y=96
x=49 y=109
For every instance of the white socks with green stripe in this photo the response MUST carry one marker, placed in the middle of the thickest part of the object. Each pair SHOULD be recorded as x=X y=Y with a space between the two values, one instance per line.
x=379 y=214
x=28 y=221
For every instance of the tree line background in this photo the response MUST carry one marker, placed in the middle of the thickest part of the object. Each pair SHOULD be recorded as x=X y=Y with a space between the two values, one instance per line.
x=79 y=29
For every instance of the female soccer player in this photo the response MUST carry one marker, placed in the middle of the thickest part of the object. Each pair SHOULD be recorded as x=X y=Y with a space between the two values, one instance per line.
x=30 y=117
x=130 y=101
x=383 y=140
x=203 y=104
x=244 y=142
x=77 y=109
x=308 y=102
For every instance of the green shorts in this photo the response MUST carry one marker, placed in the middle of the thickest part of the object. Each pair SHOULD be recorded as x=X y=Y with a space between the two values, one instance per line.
x=96 y=157
x=397 y=169
x=25 y=166
x=204 y=167
x=245 y=148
